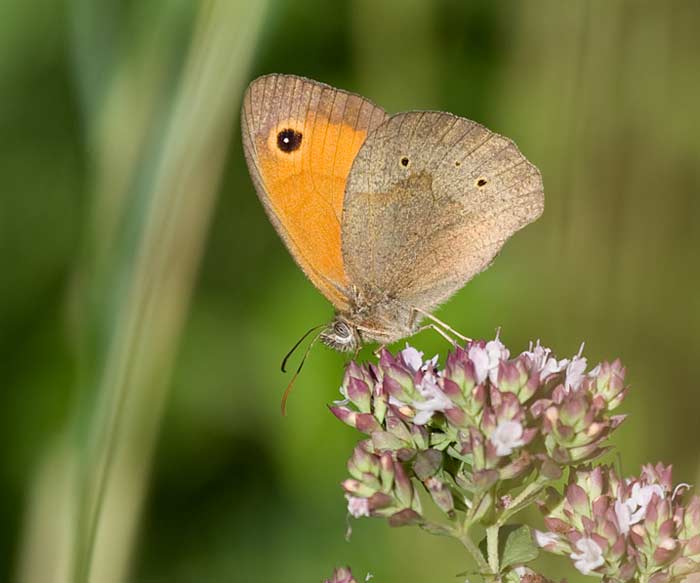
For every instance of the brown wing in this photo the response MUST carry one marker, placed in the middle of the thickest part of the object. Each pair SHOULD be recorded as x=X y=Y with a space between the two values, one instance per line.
x=430 y=201
x=300 y=138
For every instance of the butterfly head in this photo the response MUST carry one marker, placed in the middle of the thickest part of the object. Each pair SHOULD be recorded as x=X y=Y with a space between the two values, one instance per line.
x=341 y=335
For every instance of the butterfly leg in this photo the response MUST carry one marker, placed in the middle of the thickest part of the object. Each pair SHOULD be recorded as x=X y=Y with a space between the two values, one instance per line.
x=439 y=330
x=442 y=324
x=374 y=332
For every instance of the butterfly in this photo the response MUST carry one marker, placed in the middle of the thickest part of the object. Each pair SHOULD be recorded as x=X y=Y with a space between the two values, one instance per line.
x=387 y=215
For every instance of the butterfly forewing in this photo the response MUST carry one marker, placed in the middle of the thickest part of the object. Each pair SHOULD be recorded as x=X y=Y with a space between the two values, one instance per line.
x=300 y=138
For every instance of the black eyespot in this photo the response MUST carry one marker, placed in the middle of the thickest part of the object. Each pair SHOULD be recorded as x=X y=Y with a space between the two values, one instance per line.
x=458 y=163
x=481 y=182
x=404 y=161
x=289 y=140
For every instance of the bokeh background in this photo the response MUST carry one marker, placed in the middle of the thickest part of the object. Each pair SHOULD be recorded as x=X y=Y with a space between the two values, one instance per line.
x=146 y=301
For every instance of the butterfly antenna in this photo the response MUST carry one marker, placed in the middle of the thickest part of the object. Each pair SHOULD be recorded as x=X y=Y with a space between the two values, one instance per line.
x=289 y=354
x=288 y=390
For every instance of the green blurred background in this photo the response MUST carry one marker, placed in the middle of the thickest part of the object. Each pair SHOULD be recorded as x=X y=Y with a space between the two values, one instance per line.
x=147 y=301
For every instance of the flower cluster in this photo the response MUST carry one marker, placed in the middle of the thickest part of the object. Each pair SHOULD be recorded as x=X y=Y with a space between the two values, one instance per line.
x=380 y=486
x=635 y=529
x=483 y=420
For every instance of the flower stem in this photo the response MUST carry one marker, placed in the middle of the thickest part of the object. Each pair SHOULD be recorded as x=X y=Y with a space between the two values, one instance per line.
x=474 y=551
x=492 y=548
x=522 y=500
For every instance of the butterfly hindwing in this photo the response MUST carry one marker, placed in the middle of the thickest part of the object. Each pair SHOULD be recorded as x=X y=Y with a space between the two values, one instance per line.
x=430 y=201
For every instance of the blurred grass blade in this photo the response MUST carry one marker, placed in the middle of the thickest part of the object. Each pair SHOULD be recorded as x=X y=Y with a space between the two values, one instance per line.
x=183 y=183
x=403 y=32
x=146 y=270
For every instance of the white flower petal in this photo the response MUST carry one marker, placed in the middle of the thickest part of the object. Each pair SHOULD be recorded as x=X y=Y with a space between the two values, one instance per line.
x=622 y=512
x=434 y=400
x=507 y=436
x=574 y=372
x=358 y=507
x=412 y=357
x=345 y=400
x=639 y=499
x=422 y=417
x=480 y=359
x=594 y=372
x=543 y=362
x=432 y=363
x=589 y=557
x=496 y=352
x=546 y=538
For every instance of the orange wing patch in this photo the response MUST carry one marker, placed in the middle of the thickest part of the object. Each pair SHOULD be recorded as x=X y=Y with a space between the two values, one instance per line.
x=305 y=169
x=301 y=138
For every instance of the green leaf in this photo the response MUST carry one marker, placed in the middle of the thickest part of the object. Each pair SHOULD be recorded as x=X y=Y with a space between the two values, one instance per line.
x=518 y=546
x=515 y=546
x=511 y=577
x=483 y=549
x=440 y=441
x=436 y=529
x=454 y=453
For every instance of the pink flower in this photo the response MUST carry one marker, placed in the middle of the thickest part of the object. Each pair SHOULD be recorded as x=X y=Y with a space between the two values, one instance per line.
x=412 y=357
x=639 y=500
x=589 y=557
x=631 y=507
x=480 y=359
x=546 y=539
x=623 y=515
x=426 y=398
x=574 y=372
x=496 y=353
x=542 y=362
x=487 y=358
x=622 y=529
x=507 y=436
x=434 y=400
x=357 y=507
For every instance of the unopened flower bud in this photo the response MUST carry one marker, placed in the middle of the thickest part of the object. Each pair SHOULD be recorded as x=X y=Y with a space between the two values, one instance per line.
x=440 y=494
x=359 y=393
x=386 y=471
x=403 y=487
x=362 y=462
x=341 y=575
x=405 y=517
x=398 y=382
